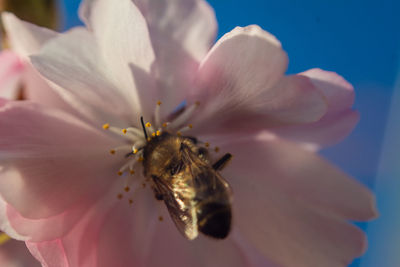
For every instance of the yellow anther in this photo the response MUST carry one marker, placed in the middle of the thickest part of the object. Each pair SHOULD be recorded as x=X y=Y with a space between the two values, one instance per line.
x=119 y=196
x=4 y=238
x=124 y=131
x=216 y=149
x=127 y=189
x=130 y=201
x=160 y=218
x=190 y=126
x=207 y=144
x=148 y=124
x=178 y=133
x=132 y=172
x=148 y=139
x=158 y=133
x=140 y=159
x=135 y=150
x=106 y=126
x=112 y=151
x=153 y=134
x=119 y=173
x=159 y=103
x=164 y=125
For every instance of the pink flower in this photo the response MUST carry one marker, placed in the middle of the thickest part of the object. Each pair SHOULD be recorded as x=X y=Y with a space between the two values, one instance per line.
x=60 y=183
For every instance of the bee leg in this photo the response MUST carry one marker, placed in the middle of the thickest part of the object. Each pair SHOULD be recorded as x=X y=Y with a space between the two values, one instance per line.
x=222 y=162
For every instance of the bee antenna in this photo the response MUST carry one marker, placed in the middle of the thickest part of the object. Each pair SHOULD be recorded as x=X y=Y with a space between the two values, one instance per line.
x=144 y=128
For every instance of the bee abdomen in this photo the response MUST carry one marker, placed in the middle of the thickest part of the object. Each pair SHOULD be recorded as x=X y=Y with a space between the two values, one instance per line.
x=214 y=220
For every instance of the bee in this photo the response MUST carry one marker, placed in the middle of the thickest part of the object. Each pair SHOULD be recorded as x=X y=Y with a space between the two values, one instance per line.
x=197 y=197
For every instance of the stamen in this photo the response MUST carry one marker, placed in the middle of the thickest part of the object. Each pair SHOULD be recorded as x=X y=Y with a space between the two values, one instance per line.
x=106 y=126
x=184 y=116
x=125 y=149
x=119 y=196
x=216 y=149
x=128 y=165
x=207 y=144
x=157 y=117
x=160 y=218
x=127 y=188
x=124 y=133
x=130 y=201
x=135 y=131
x=185 y=128
x=165 y=124
x=151 y=129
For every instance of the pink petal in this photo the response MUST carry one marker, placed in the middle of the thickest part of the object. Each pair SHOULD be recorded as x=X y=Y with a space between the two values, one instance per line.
x=38 y=90
x=243 y=73
x=122 y=35
x=45 y=168
x=124 y=235
x=328 y=131
x=293 y=206
x=339 y=93
x=49 y=253
x=73 y=63
x=11 y=70
x=294 y=102
x=25 y=38
x=195 y=36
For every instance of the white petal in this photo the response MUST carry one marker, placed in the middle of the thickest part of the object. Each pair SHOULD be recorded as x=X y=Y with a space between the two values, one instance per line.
x=25 y=38
x=73 y=63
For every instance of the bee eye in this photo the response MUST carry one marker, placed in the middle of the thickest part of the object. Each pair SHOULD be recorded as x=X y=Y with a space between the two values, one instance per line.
x=174 y=168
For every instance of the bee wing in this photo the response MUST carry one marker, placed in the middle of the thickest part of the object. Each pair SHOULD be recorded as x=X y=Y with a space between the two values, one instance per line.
x=181 y=207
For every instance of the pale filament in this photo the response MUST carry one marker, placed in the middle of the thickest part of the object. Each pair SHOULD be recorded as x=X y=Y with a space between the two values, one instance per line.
x=157 y=115
x=183 y=117
x=124 y=148
x=135 y=131
x=121 y=132
x=185 y=128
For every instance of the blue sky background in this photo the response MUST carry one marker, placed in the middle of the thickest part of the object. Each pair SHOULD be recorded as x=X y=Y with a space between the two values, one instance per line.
x=359 y=39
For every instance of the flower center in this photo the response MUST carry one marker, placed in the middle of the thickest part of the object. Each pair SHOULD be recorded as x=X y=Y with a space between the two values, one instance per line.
x=137 y=138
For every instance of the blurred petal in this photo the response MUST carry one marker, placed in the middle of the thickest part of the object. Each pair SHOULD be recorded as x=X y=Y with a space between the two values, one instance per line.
x=300 y=205
x=39 y=151
x=303 y=175
x=25 y=38
x=11 y=70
